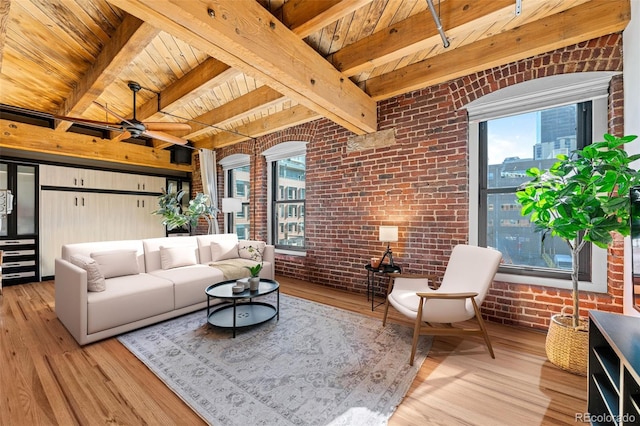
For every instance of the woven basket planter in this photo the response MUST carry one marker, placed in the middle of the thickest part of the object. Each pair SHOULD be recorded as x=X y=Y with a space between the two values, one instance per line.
x=568 y=347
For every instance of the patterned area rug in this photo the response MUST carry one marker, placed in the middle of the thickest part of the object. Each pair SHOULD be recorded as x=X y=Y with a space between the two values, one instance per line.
x=317 y=365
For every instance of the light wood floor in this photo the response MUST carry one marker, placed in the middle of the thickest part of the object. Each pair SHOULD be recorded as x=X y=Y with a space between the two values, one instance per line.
x=46 y=378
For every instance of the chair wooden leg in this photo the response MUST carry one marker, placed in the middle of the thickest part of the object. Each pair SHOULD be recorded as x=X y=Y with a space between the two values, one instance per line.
x=386 y=301
x=386 y=310
x=482 y=327
x=416 y=333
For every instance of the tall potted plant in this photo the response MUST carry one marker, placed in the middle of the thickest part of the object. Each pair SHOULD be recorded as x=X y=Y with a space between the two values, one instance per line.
x=175 y=215
x=583 y=197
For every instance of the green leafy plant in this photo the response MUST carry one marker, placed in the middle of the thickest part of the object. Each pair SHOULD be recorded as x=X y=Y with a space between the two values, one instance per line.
x=175 y=215
x=583 y=197
x=255 y=270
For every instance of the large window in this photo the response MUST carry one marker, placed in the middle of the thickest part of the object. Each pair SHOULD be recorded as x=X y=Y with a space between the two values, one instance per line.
x=509 y=146
x=237 y=173
x=287 y=173
x=238 y=182
x=519 y=127
x=289 y=185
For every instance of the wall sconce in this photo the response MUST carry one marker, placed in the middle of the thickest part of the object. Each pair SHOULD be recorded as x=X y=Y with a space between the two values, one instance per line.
x=231 y=205
x=388 y=234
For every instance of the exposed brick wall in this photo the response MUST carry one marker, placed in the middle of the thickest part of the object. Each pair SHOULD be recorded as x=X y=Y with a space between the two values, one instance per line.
x=420 y=184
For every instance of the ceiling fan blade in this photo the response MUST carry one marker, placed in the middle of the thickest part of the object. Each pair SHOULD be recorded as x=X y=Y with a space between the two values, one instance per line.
x=122 y=136
x=113 y=113
x=164 y=137
x=166 y=126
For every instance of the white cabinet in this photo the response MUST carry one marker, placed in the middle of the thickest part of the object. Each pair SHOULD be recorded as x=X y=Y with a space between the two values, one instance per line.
x=79 y=205
x=70 y=177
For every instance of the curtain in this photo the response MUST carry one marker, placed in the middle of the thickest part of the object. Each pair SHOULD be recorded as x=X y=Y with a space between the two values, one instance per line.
x=209 y=185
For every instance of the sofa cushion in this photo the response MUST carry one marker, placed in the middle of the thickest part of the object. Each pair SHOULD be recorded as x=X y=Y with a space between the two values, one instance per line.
x=252 y=250
x=117 y=263
x=127 y=299
x=152 y=257
x=204 y=245
x=95 y=279
x=223 y=250
x=190 y=282
x=175 y=257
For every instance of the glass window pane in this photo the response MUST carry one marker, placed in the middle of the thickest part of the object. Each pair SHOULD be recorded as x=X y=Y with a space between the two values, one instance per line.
x=26 y=200
x=4 y=184
x=514 y=236
x=515 y=144
x=290 y=175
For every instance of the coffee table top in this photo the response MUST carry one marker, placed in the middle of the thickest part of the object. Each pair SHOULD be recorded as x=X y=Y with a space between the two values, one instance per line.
x=223 y=290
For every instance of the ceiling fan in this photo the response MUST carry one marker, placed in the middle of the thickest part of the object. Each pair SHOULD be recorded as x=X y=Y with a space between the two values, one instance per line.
x=133 y=127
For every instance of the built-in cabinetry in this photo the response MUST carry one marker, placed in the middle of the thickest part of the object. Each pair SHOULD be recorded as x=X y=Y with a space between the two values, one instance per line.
x=81 y=205
x=614 y=369
x=18 y=222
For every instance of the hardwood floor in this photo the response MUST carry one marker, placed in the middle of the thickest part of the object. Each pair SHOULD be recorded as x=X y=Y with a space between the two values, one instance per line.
x=46 y=378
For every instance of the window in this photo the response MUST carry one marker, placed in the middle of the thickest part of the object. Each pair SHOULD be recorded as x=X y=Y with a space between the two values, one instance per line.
x=511 y=145
x=287 y=175
x=237 y=185
x=290 y=175
x=511 y=130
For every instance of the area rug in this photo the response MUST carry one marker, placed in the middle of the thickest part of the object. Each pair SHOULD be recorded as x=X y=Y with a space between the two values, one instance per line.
x=316 y=365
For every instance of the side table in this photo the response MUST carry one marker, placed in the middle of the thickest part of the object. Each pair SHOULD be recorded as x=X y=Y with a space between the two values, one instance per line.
x=380 y=272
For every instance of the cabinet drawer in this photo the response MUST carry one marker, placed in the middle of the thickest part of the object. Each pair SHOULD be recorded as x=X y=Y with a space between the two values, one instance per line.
x=5 y=244
x=14 y=275
x=8 y=265
x=15 y=253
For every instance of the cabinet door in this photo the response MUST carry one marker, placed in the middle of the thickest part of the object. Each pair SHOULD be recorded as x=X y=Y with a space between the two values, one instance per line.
x=138 y=183
x=59 y=224
x=71 y=177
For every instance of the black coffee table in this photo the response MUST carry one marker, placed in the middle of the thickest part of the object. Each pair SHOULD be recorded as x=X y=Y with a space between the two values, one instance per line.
x=237 y=312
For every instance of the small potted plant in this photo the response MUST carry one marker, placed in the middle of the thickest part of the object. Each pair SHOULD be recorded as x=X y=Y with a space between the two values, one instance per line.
x=583 y=197
x=254 y=281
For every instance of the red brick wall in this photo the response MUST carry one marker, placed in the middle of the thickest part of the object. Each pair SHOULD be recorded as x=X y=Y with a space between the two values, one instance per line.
x=420 y=184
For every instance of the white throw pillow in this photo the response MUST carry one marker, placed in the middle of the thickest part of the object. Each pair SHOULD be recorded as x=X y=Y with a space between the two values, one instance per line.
x=252 y=250
x=117 y=263
x=95 y=279
x=174 y=257
x=223 y=250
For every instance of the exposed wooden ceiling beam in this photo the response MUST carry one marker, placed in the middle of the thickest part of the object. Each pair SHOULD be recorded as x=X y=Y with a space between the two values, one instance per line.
x=418 y=32
x=261 y=98
x=207 y=75
x=272 y=123
x=580 y=23
x=305 y=17
x=27 y=137
x=5 y=6
x=131 y=37
x=247 y=37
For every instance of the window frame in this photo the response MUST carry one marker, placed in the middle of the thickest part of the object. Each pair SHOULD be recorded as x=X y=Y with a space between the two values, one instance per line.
x=282 y=151
x=534 y=95
x=229 y=164
x=584 y=137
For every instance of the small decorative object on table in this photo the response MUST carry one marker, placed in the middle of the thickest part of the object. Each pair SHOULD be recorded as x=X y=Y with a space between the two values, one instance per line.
x=243 y=282
x=254 y=281
x=237 y=288
x=375 y=262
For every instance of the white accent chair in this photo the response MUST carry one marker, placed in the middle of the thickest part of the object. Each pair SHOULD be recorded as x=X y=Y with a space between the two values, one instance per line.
x=470 y=272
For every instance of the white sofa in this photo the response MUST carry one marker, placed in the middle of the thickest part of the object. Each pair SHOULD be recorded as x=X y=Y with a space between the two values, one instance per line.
x=169 y=280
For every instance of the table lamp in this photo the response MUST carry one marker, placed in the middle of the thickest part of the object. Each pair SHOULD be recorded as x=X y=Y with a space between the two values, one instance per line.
x=231 y=205
x=388 y=234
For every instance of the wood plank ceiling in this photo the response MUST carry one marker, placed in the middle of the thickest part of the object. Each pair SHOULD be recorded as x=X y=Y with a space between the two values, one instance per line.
x=239 y=69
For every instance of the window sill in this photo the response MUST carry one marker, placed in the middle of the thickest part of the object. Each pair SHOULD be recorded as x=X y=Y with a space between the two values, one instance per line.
x=550 y=282
x=291 y=252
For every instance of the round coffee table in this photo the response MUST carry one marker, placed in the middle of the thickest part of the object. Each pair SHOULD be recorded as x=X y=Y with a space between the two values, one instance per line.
x=237 y=312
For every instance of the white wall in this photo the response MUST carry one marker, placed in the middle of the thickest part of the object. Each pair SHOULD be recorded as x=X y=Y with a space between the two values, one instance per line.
x=631 y=55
